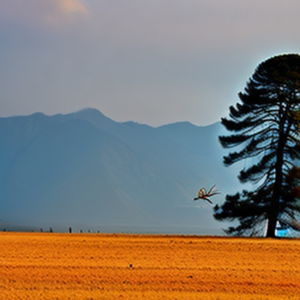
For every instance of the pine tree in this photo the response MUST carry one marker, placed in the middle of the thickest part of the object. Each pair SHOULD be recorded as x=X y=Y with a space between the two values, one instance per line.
x=266 y=132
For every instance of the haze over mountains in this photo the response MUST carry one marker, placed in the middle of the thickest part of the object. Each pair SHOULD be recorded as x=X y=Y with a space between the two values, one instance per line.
x=85 y=170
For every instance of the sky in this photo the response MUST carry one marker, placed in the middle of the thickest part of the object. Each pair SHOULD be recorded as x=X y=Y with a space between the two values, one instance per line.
x=153 y=62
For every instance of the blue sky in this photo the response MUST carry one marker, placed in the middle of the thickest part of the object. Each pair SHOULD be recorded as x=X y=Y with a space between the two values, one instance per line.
x=153 y=62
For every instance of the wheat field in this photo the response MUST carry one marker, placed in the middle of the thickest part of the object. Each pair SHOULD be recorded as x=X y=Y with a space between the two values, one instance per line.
x=116 y=266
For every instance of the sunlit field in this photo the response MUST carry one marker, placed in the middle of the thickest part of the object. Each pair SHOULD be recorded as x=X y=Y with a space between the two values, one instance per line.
x=102 y=266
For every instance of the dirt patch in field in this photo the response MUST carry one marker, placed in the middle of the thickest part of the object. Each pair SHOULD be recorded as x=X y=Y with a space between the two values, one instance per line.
x=102 y=266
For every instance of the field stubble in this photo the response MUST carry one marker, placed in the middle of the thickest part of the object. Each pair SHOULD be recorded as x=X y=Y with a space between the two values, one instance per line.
x=113 y=266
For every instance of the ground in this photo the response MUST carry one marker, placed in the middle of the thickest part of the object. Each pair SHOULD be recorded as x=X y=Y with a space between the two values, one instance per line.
x=116 y=266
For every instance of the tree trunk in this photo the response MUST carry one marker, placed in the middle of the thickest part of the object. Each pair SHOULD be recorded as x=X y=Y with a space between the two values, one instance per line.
x=277 y=190
x=272 y=221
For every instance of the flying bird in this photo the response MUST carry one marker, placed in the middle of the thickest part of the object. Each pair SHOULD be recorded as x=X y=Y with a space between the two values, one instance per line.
x=202 y=194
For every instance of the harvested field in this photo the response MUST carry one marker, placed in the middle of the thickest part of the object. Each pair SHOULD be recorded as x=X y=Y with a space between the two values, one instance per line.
x=112 y=266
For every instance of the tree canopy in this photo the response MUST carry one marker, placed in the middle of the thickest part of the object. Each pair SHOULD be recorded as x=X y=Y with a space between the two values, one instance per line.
x=265 y=128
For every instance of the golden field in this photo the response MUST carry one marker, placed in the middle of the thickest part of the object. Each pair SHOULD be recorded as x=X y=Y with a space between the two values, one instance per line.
x=116 y=266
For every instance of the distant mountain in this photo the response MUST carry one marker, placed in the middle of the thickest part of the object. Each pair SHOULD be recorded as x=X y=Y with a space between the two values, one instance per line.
x=85 y=170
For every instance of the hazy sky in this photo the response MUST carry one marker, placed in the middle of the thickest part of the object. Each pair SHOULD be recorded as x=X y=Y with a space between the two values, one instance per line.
x=153 y=62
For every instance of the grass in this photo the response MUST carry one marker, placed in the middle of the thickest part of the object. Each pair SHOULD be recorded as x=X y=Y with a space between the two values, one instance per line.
x=112 y=266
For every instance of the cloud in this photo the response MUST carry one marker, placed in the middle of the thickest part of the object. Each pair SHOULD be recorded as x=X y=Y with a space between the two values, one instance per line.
x=59 y=10
x=149 y=61
x=196 y=26
x=39 y=13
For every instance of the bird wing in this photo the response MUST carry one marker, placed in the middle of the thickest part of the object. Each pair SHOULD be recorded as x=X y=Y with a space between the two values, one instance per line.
x=208 y=200
x=211 y=192
x=211 y=189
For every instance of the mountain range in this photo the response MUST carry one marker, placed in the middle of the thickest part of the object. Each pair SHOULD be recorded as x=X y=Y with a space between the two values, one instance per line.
x=86 y=171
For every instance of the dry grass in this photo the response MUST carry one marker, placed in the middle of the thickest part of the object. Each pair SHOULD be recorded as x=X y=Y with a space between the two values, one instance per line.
x=98 y=266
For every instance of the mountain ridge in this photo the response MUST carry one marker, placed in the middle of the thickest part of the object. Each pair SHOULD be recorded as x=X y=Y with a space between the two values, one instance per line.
x=85 y=168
